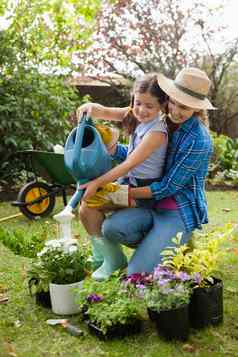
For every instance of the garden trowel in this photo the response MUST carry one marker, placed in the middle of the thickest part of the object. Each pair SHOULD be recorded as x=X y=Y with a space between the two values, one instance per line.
x=71 y=329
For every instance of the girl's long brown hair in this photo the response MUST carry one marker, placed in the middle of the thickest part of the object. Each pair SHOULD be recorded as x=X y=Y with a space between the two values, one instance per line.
x=147 y=83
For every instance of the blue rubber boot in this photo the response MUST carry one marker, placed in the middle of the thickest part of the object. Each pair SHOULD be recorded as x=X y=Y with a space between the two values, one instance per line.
x=114 y=259
x=97 y=258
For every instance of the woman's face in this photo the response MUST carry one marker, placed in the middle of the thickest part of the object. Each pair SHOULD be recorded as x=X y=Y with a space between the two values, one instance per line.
x=146 y=107
x=178 y=112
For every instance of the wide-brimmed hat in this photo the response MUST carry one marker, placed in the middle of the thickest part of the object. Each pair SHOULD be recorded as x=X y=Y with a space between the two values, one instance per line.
x=190 y=87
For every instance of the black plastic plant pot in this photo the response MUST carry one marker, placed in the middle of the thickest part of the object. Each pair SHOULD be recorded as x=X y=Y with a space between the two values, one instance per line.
x=43 y=299
x=172 y=324
x=206 y=305
x=117 y=330
x=152 y=314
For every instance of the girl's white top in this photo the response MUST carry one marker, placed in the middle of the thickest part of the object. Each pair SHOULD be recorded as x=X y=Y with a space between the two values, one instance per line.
x=152 y=167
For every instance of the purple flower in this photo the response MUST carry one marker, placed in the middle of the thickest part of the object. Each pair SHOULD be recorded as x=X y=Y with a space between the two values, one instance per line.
x=163 y=282
x=138 y=278
x=181 y=275
x=197 y=278
x=140 y=286
x=94 y=298
x=163 y=272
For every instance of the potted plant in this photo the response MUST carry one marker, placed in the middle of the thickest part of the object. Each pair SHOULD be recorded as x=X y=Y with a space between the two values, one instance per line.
x=167 y=299
x=38 y=284
x=62 y=268
x=206 y=305
x=108 y=307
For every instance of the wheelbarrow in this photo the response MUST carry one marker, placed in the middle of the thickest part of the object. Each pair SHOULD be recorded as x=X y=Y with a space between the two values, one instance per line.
x=85 y=158
x=37 y=197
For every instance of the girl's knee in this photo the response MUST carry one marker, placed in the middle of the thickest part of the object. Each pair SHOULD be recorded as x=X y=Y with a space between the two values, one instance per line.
x=82 y=210
x=86 y=212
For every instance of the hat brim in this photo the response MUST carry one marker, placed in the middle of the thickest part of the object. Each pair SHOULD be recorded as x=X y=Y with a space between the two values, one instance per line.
x=168 y=86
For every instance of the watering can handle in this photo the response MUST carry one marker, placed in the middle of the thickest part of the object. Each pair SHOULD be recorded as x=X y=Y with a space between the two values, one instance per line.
x=79 y=133
x=85 y=120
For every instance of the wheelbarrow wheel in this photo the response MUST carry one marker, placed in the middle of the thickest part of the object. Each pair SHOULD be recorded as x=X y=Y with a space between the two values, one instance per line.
x=34 y=191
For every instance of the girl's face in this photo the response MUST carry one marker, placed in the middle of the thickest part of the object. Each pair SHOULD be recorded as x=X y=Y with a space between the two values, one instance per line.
x=146 y=107
x=178 y=112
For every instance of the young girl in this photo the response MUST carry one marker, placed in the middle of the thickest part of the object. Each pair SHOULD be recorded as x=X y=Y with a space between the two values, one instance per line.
x=148 y=140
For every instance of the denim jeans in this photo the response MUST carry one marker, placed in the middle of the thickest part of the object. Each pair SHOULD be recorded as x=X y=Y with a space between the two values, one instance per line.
x=151 y=231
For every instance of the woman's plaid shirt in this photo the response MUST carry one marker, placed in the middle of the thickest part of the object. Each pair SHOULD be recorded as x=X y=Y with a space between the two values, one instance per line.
x=186 y=167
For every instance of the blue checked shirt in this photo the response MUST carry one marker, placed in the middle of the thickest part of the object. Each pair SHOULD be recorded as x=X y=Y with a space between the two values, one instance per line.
x=186 y=167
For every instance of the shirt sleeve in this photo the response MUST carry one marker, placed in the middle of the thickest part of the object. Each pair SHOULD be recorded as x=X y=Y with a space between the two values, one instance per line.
x=190 y=160
x=121 y=153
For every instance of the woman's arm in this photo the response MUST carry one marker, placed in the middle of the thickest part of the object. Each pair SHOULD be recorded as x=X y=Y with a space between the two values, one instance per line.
x=191 y=160
x=98 y=111
x=148 y=145
x=120 y=153
x=140 y=193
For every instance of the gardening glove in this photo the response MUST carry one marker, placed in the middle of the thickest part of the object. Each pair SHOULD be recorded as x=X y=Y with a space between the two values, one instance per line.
x=111 y=193
x=109 y=136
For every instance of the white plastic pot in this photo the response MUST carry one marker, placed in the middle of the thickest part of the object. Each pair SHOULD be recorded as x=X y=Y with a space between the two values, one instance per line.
x=63 y=298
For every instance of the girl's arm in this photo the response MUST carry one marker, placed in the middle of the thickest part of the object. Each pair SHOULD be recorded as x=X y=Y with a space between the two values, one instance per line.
x=148 y=145
x=98 y=111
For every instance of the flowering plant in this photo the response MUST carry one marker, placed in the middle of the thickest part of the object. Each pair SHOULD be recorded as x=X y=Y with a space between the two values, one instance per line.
x=203 y=260
x=58 y=264
x=165 y=289
x=108 y=303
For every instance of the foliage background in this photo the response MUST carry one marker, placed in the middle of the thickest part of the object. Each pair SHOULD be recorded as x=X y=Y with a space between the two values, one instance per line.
x=47 y=42
x=36 y=58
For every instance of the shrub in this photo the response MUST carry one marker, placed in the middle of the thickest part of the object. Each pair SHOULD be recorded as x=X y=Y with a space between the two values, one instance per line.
x=34 y=112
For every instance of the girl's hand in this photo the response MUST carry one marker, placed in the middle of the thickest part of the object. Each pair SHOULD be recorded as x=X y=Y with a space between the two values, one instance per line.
x=87 y=107
x=93 y=110
x=90 y=189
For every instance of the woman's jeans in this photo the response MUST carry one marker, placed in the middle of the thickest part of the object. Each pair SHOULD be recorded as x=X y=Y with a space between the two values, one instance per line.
x=151 y=231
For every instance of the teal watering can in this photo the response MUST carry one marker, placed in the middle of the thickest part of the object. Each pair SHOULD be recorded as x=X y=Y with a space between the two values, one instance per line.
x=85 y=156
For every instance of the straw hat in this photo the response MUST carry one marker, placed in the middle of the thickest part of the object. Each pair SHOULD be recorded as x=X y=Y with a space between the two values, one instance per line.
x=190 y=87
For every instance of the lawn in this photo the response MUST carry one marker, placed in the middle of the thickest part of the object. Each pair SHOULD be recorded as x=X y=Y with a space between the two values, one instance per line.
x=23 y=328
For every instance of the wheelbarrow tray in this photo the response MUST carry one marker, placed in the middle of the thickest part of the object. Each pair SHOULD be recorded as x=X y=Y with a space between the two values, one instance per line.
x=48 y=165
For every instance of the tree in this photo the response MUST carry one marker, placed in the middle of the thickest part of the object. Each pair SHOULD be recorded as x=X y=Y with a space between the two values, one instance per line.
x=36 y=53
x=50 y=33
x=134 y=37
x=222 y=67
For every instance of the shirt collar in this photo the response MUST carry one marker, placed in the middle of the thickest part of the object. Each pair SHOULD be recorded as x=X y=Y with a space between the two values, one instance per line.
x=142 y=128
x=188 y=124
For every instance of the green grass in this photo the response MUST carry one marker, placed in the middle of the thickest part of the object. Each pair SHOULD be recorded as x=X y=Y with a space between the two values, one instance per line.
x=23 y=328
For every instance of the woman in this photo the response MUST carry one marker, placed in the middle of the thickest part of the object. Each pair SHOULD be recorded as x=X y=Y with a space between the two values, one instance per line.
x=181 y=202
